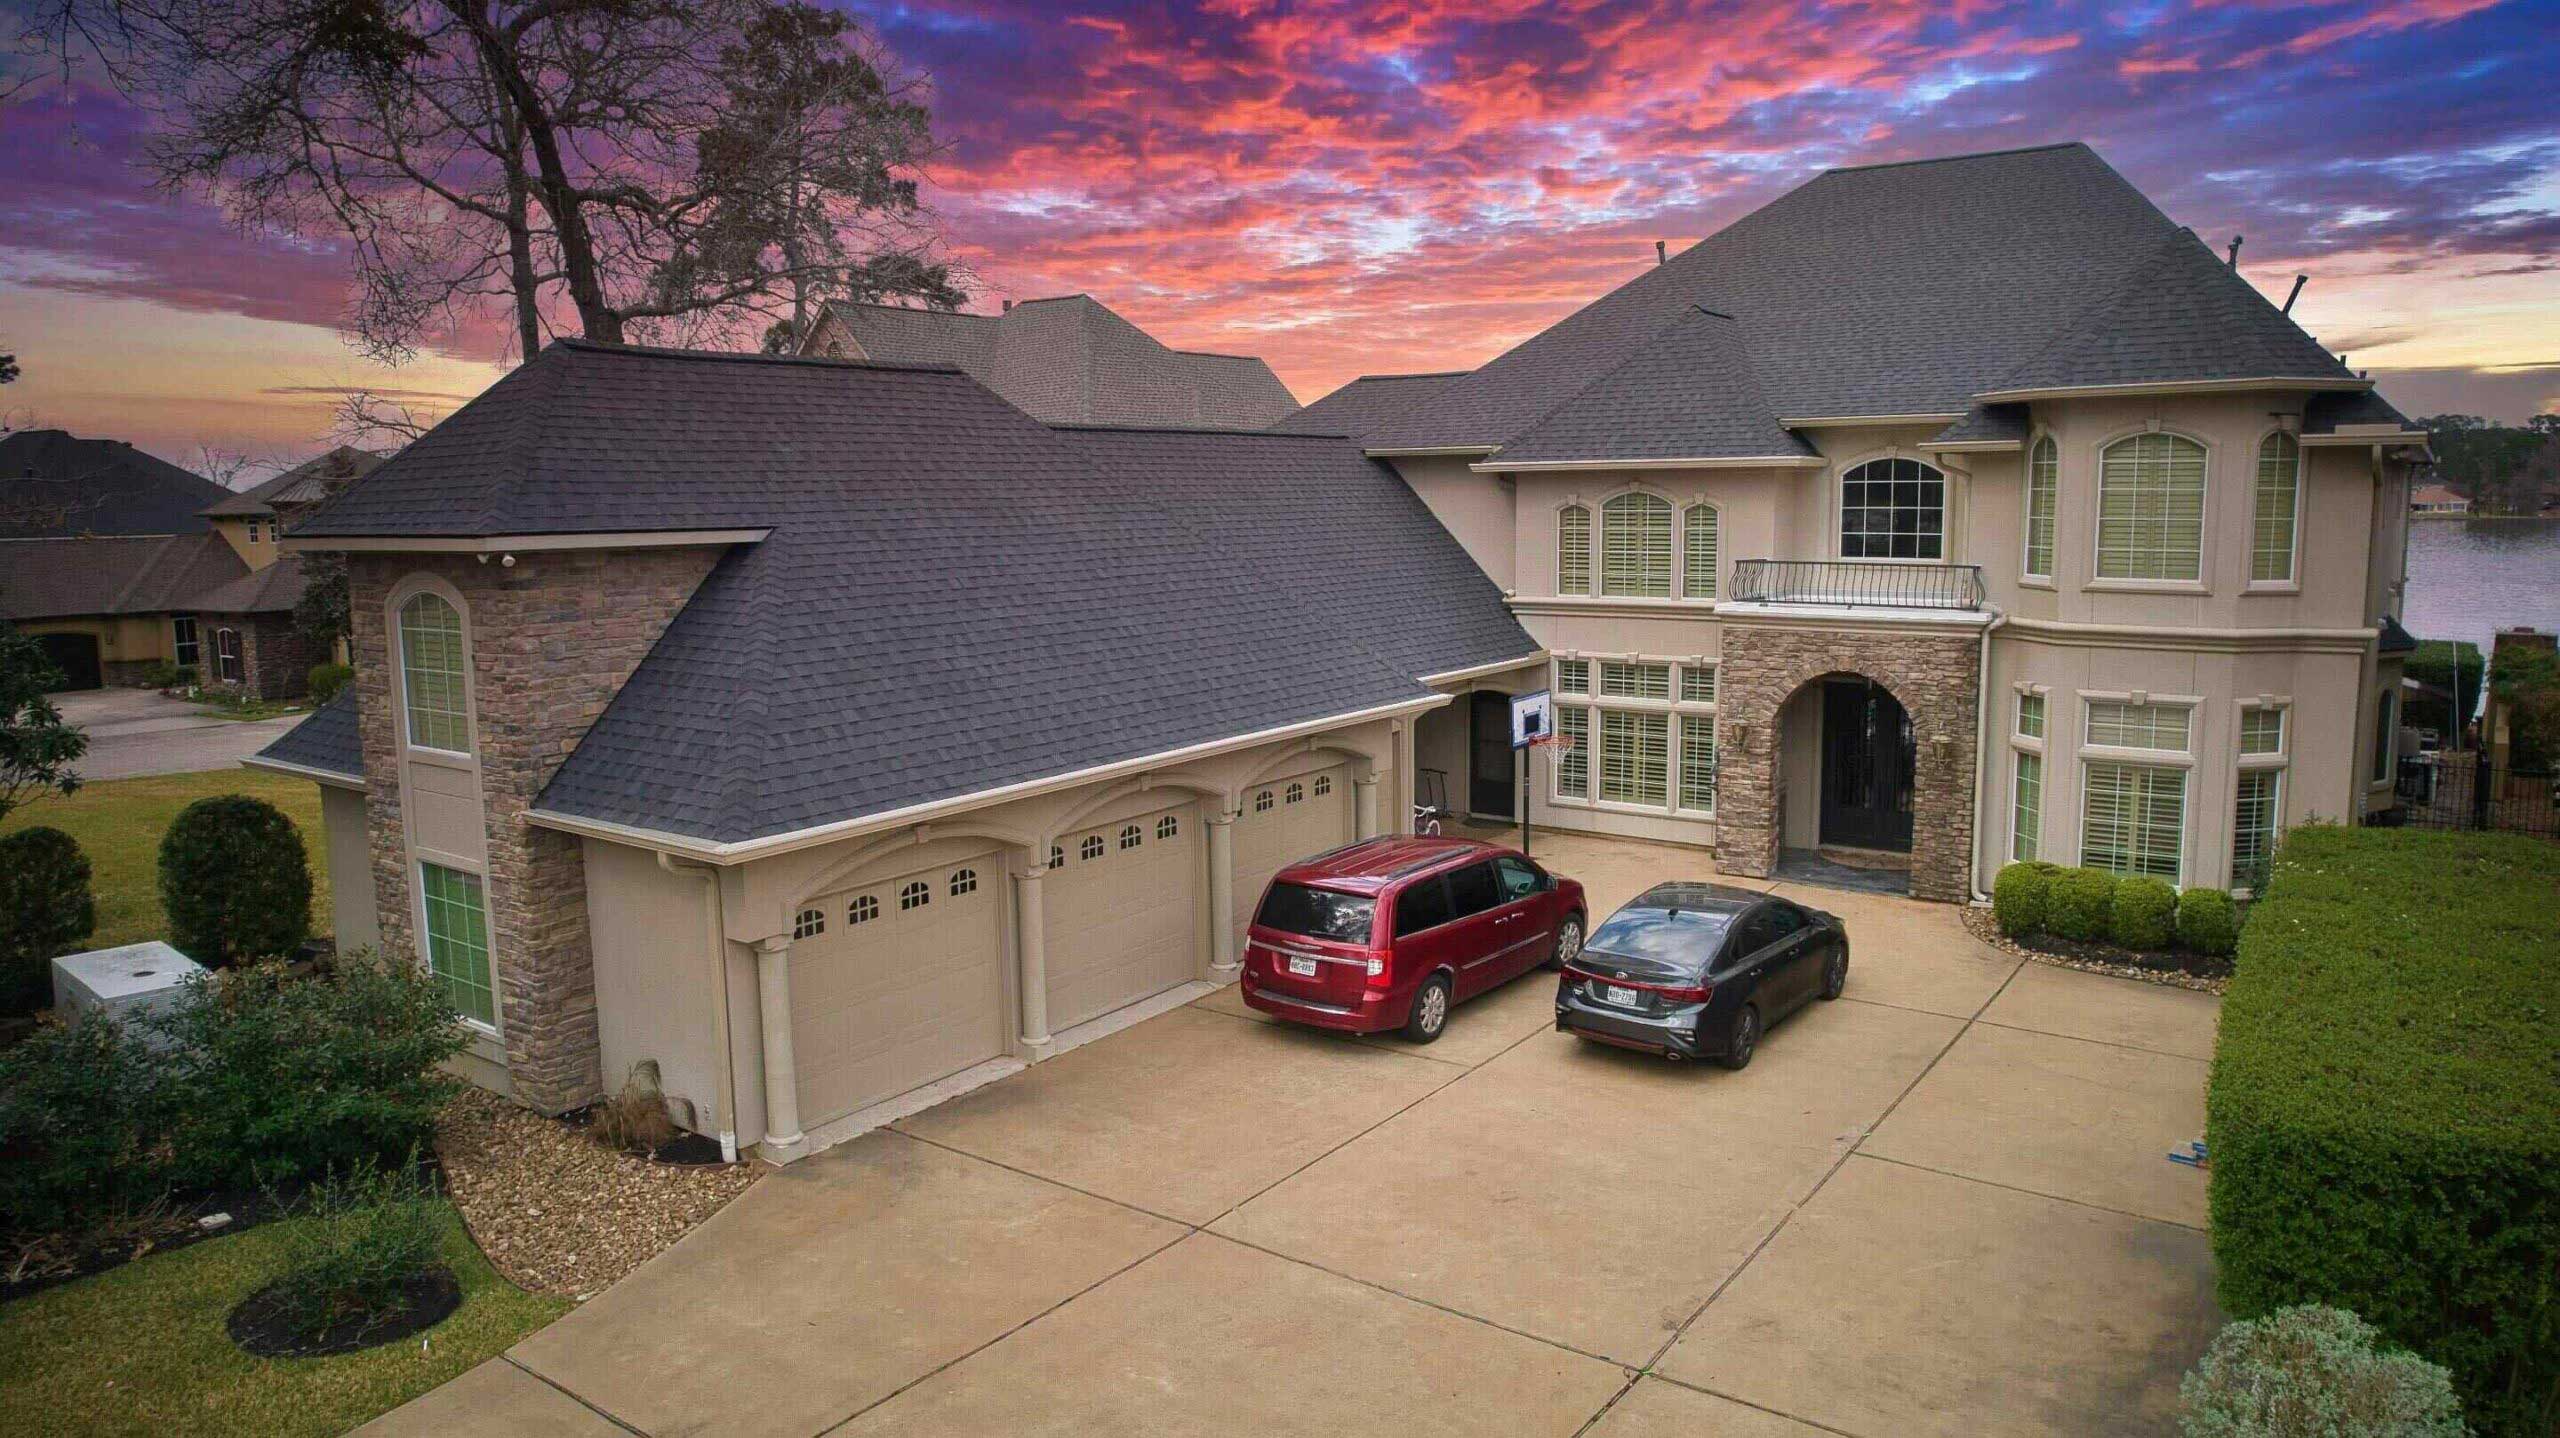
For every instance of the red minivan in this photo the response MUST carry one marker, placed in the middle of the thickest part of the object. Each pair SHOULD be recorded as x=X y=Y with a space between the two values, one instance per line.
x=1393 y=933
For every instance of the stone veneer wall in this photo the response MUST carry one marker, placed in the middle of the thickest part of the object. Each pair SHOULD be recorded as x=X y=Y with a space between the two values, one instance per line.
x=552 y=640
x=1934 y=676
x=275 y=658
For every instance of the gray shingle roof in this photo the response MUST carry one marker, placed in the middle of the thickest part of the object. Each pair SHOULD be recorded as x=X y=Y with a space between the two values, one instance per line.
x=2328 y=413
x=1986 y=424
x=138 y=574
x=2181 y=315
x=1884 y=290
x=952 y=597
x=1071 y=360
x=328 y=740
x=1688 y=393
x=56 y=485
x=1370 y=403
x=309 y=482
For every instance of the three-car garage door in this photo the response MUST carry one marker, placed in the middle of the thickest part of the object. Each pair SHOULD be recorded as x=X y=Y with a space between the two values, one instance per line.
x=897 y=983
x=1285 y=820
x=1124 y=912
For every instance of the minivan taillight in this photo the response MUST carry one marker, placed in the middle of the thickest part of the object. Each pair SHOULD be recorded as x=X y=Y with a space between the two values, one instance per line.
x=1377 y=971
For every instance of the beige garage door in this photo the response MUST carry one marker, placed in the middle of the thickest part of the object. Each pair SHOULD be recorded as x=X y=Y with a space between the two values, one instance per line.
x=1123 y=911
x=1285 y=820
x=896 y=984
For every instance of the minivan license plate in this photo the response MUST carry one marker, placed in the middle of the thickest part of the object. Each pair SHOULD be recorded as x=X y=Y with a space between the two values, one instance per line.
x=1303 y=968
x=1622 y=997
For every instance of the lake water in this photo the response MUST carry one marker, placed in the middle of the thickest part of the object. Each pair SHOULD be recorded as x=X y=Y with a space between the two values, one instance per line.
x=2469 y=578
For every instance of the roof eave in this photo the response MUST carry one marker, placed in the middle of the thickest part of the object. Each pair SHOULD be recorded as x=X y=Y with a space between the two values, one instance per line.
x=292 y=770
x=1426 y=451
x=2304 y=383
x=1570 y=466
x=1859 y=421
x=519 y=543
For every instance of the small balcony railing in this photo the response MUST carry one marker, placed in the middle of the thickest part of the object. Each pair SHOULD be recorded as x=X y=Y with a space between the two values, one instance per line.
x=1866 y=584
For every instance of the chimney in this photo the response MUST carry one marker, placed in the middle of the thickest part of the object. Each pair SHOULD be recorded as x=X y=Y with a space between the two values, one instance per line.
x=2234 y=259
x=1661 y=252
x=1008 y=307
x=2298 y=282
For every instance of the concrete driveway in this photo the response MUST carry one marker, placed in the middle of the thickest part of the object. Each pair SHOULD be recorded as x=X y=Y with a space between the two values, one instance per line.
x=1939 y=1205
x=134 y=732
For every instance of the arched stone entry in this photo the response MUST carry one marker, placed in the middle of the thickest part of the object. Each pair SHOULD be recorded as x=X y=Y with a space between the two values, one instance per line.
x=1934 y=674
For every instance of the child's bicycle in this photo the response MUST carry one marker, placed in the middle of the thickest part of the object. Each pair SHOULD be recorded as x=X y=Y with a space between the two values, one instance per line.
x=1430 y=801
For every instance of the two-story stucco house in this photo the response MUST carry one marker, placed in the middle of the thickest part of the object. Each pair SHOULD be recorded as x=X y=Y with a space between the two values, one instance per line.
x=1968 y=508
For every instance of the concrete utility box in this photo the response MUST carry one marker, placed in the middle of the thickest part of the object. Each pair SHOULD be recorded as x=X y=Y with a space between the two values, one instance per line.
x=126 y=982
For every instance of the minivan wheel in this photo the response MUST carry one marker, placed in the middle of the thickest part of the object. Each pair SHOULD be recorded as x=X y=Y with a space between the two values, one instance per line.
x=1835 y=972
x=1430 y=1016
x=1568 y=942
x=1742 y=1040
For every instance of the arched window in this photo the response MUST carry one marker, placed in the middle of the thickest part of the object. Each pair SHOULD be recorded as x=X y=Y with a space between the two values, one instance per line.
x=1893 y=509
x=915 y=896
x=809 y=923
x=862 y=910
x=1635 y=546
x=1091 y=848
x=1698 y=551
x=226 y=655
x=1324 y=785
x=1262 y=802
x=431 y=674
x=2274 y=510
x=963 y=881
x=1573 y=550
x=2044 y=493
x=1167 y=827
x=1130 y=838
x=2151 y=508
x=1297 y=793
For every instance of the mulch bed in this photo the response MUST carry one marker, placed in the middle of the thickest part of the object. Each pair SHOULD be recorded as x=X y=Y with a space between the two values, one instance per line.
x=259 y=1327
x=2170 y=968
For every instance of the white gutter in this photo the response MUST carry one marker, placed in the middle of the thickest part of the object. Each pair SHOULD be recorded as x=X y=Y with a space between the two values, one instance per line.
x=1453 y=676
x=519 y=543
x=304 y=771
x=2191 y=386
x=1426 y=451
x=1855 y=421
x=710 y=878
x=1981 y=753
x=740 y=850
x=1576 y=466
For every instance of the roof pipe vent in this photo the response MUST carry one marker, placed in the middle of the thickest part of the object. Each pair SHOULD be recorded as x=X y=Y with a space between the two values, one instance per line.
x=2298 y=282
x=2234 y=258
x=1661 y=252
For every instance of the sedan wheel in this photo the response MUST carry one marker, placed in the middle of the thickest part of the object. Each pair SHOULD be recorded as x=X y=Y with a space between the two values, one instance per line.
x=1568 y=943
x=1745 y=1038
x=1430 y=1016
x=1835 y=972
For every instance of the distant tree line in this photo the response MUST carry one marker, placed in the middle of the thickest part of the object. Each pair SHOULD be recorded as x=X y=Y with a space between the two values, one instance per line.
x=2500 y=468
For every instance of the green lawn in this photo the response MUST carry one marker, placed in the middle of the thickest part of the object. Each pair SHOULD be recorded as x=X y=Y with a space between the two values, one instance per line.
x=141 y=1349
x=119 y=823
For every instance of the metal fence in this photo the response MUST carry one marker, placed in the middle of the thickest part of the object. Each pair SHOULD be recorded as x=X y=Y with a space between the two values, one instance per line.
x=1882 y=585
x=2463 y=790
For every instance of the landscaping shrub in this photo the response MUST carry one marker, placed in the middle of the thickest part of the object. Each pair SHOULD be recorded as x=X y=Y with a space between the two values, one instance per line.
x=2207 y=922
x=365 y=1236
x=45 y=909
x=2021 y=896
x=234 y=881
x=2313 y=1372
x=2079 y=903
x=2380 y=1108
x=635 y=1120
x=289 y=1077
x=82 y=1115
x=2143 y=914
x=327 y=679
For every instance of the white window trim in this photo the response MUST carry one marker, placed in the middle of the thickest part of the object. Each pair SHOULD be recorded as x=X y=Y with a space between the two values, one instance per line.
x=401 y=593
x=2301 y=461
x=2143 y=758
x=2018 y=735
x=2022 y=746
x=2391 y=766
x=1680 y=543
x=2029 y=578
x=233 y=667
x=1600 y=544
x=419 y=858
x=2284 y=735
x=2202 y=583
x=2127 y=754
x=1947 y=516
x=2275 y=835
x=1590 y=547
x=1672 y=709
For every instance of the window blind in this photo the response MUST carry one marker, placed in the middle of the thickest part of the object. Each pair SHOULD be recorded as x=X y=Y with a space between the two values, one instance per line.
x=1573 y=550
x=2133 y=819
x=2026 y=820
x=2151 y=508
x=1634 y=757
x=1573 y=761
x=1622 y=680
x=2254 y=821
x=1698 y=537
x=2273 y=510
x=2138 y=726
x=1697 y=764
x=2044 y=483
x=1635 y=547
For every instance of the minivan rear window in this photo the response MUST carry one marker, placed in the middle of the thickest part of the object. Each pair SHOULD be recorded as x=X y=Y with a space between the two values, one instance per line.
x=1317 y=913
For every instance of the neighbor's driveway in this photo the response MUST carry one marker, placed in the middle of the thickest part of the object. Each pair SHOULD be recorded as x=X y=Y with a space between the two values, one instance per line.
x=133 y=732
x=1937 y=1206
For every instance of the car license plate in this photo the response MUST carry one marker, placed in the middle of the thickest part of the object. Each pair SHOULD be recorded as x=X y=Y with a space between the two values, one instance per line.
x=1303 y=968
x=1624 y=998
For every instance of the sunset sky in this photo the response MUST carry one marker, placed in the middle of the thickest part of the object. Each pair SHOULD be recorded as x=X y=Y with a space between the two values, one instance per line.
x=1346 y=189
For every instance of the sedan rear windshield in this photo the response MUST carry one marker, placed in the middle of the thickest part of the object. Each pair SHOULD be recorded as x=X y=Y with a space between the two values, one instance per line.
x=1317 y=913
x=1662 y=941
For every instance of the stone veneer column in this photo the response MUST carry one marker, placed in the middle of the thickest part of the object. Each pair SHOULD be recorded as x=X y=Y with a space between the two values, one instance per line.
x=552 y=639
x=1934 y=673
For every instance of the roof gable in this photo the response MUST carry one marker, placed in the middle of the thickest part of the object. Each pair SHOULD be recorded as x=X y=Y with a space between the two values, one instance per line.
x=1689 y=393
x=57 y=485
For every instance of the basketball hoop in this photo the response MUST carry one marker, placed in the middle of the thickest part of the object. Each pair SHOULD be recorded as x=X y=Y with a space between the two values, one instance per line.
x=1558 y=741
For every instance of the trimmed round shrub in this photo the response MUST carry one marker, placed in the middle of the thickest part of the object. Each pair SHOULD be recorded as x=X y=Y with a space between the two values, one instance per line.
x=2079 y=904
x=2208 y=923
x=2021 y=896
x=2310 y=1372
x=45 y=909
x=327 y=679
x=2143 y=914
x=235 y=881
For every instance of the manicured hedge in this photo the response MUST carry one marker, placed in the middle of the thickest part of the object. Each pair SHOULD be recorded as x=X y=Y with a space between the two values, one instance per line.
x=2143 y=914
x=2207 y=922
x=2381 y=1110
x=2021 y=895
x=2079 y=906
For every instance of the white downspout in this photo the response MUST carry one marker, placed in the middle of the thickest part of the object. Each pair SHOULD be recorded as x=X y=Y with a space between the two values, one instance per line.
x=1981 y=753
x=710 y=878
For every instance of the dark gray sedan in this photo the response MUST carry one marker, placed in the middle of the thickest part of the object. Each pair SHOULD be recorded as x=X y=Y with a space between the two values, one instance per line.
x=1700 y=971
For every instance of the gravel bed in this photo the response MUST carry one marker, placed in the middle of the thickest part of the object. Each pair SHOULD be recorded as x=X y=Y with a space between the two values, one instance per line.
x=557 y=1213
x=1978 y=922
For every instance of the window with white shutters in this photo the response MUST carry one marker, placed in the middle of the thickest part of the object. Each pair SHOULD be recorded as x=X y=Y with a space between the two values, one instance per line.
x=2138 y=726
x=1697 y=684
x=2133 y=819
x=1635 y=547
x=1698 y=551
x=2256 y=815
x=2151 y=508
x=2274 y=510
x=1697 y=764
x=1573 y=760
x=2044 y=498
x=1635 y=757
x=1573 y=550
x=1573 y=676
x=2026 y=819
x=1622 y=680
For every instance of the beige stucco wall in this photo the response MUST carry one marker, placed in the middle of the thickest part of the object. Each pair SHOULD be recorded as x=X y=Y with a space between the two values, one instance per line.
x=354 y=921
x=121 y=639
x=257 y=552
x=1476 y=508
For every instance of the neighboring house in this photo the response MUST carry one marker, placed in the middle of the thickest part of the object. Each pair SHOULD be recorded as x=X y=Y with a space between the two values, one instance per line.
x=1067 y=360
x=1968 y=508
x=2437 y=499
x=119 y=564
x=821 y=729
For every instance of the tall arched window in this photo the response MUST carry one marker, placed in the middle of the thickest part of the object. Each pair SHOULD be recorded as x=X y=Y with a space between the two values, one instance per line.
x=1698 y=551
x=1635 y=546
x=2274 y=510
x=2044 y=486
x=1893 y=509
x=1573 y=550
x=431 y=674
x=2151 y=508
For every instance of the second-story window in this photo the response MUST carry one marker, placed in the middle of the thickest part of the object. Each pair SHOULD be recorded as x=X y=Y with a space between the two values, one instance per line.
x=431 y=674
x=1893 y=509
x=2151 y=508
x=1698 y=551
x=1635 y=546
x=2275 y=506
x=2044 y=495
x=1573 y=550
